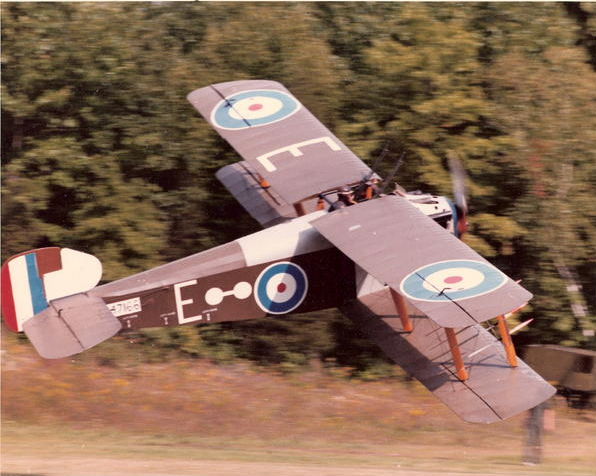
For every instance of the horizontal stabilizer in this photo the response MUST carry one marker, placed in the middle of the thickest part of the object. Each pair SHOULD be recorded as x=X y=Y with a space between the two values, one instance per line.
x=71 y=325
x=493 y=391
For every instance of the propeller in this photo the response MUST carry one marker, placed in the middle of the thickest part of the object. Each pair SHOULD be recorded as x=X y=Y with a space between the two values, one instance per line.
x=458 y=179
x=393 y=173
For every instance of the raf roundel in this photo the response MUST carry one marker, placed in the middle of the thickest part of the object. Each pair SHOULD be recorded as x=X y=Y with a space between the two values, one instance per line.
x=253 y=108
x=452 y=280
x=281 y=288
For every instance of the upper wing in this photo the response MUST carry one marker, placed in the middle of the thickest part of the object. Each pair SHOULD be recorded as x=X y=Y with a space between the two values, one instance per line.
x=279 y=137
x=400 y=246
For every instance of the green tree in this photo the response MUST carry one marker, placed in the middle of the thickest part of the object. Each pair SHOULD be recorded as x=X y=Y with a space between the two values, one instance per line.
x=62 y=196
x=547 y=105
x=424 y=96
x=102 y=152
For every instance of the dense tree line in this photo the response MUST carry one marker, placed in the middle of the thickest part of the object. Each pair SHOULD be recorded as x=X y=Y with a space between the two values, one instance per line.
x=102 y=153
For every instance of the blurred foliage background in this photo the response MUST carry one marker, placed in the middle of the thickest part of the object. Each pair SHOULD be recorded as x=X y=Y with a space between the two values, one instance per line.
x=102 y=153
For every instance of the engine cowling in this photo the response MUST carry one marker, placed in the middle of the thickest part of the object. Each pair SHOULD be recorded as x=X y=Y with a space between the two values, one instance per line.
x=441 y=209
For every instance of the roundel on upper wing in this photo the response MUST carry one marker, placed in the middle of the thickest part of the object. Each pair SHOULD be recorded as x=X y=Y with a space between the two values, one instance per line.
x=281 y=288
x=452 y=280
x=257 y=107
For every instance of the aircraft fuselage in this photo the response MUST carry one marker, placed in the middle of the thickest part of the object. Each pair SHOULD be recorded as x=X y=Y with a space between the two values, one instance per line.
x=286 y=268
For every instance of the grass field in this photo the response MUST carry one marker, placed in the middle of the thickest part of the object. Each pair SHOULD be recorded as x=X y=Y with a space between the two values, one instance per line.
x=76 y=417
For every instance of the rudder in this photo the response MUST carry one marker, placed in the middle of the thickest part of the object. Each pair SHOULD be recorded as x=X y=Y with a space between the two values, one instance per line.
x=32 y=279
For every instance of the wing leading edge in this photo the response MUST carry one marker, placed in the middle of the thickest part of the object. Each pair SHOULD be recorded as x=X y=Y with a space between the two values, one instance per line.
x=278 y=137
x=441 y=276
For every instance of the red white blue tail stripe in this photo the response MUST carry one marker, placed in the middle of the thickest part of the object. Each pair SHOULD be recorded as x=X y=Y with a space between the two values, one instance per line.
x=23 y=293
x=32 y=279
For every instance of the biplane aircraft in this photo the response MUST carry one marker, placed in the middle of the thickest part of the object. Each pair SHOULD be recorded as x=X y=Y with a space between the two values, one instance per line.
x=391 y=262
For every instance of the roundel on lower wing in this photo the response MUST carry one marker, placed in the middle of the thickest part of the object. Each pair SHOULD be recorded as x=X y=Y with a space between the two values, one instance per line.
x=253 y=108
x=452 y=281
x=281 y=288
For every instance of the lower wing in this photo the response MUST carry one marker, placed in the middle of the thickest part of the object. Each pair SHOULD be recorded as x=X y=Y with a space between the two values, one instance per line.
x=493 y=390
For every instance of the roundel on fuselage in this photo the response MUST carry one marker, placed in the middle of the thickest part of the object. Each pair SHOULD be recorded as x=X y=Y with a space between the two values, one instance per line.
x=281 y=288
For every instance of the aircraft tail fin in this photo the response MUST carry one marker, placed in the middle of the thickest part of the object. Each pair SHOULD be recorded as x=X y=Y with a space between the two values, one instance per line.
x=43 y=296
x=32 y=279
